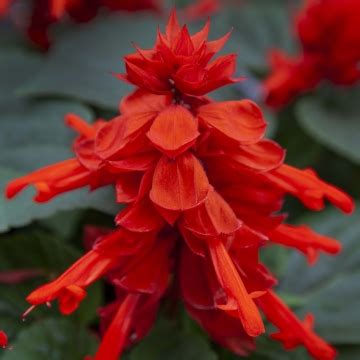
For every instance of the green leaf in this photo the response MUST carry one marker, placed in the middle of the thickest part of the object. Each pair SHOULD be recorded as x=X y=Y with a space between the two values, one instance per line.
x=87 y=311
x=331 y=289
x=332 y=118
x=30 y=249
x=86 y=73
x=268 y=349
x=259 y=26
x=34 y=248
x=16 y=67
x=10 y=36
x=82 y=61
x=275 y=258
x=37 y=249
x=348 y=352
x=166 y=341
x=32 y=137
x=55 y=339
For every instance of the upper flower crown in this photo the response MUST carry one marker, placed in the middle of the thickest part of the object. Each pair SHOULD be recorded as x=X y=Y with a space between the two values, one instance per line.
x=204 y=191
x=181 y=61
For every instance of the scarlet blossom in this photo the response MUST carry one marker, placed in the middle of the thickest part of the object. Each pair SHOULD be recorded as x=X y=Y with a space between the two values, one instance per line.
x=45 y=13
x=204 y=191
x=327 y=31
x=3 y=339
x=4 y=6
x=202 y=8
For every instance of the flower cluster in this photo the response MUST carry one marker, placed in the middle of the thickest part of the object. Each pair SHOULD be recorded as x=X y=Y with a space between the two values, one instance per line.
x=204 y=191
x=330 y=40
x=44 y=13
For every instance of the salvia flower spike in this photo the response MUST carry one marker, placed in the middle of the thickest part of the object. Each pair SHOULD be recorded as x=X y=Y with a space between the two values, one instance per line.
x=327 y=31
x=204 y=190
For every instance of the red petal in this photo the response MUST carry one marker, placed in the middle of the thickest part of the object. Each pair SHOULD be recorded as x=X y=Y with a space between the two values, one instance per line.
x=214 y=217
x=3 y=339
x=241 y=121
x=170 y=216
x=292 y=331
x=57 y=8
x=127 y=186
x=234 y=287
x=172 y=27
x=194 y=280
x=86 y=270
x=85 y=153
x=196 y=245
x=311 y=190
x=80 y=125
x=123 y=135
x=265 y=155
x=215 y=46
x=224 y=329
x=150 y=273
x=174 y=130
x=145 y=79
x=201 y=36
x=139 y=162
x=179 y=184
x=305 y=240
x=70 y=299
x=183 y=45
x=116 y=336
x=144 y=101
x=140 y=217
x=51 y=180
x=106 y=253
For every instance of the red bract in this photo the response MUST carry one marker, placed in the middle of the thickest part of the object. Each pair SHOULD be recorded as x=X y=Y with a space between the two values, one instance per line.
x=44 y=13
x=181 y=62
x=201 y=9
x=328 y=33
x=3 y=339
x=204 y=191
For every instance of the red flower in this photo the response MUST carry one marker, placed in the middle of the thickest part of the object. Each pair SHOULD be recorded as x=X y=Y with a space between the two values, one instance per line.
x=3 y=339
x=204 y=190
x=133 y=5
x=4 y=6
x=330 y=41
x=182 y=62
x=202 y=8
x=45 y=13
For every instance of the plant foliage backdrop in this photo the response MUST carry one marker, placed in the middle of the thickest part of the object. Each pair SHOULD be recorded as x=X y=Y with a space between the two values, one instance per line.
x=319 y=129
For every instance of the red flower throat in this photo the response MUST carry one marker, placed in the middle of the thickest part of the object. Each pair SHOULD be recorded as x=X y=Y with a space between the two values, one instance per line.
x=204 y=190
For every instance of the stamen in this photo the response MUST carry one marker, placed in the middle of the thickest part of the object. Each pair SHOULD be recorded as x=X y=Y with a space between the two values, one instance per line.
x=27 y=312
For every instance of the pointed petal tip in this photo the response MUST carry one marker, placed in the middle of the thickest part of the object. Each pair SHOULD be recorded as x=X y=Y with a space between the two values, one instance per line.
x=254 y=329
x=14 y=187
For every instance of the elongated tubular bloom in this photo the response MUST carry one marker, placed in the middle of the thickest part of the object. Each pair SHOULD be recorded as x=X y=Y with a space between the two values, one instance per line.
x=204 y=190
x=330 y=41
